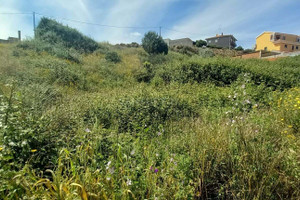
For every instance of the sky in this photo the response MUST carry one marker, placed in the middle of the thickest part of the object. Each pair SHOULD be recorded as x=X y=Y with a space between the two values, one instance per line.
x=196 y=19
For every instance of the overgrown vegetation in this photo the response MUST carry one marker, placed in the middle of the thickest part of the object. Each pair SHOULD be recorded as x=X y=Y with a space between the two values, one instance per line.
x=174 y=126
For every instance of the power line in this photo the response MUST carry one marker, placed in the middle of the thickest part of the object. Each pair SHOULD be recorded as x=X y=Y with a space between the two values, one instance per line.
x=24 y=13
x=189 y=33
x=96 y=24
x=103 y=25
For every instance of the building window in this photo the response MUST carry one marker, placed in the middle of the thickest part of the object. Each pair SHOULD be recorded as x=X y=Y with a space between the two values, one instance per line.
x=285 y=46
x=271 y=37
x=266 y=48
x=216 y=40
x=209 y=41
x=283 y=37
x=293 y=48
x=297 y=47
x=298 y=39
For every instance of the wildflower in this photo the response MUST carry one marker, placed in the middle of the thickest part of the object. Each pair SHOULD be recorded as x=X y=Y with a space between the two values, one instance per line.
x=282 y=119
x=290 y=126
x=291 y=136
x=171 y=160
x=33 y=150
x=248 y=101
x=157 y=155
x=108 y=178
x=1 y=148
x=151 y=168
x=156 y=170
x=128 y=182
x=132 y=152
x=87 y=130
x=111 y=170
x=243 y=86
x=159 y=134
x=108 y=165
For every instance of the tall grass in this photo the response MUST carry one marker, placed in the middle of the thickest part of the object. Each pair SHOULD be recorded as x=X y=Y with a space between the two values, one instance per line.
x=196 y=128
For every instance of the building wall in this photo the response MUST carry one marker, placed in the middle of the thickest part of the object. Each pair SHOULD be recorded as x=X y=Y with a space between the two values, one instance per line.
x=264 y=41
x=289 y=47
x=252 y=55
x=3 y=41
x=221 y=42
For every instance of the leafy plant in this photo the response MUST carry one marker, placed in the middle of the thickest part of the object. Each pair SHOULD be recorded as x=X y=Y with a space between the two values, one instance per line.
x=154 y=44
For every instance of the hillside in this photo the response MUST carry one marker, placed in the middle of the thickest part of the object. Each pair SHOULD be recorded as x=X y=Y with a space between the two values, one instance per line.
x=117 y=123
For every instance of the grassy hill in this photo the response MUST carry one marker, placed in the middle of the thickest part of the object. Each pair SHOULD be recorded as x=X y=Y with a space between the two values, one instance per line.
x=146 y=127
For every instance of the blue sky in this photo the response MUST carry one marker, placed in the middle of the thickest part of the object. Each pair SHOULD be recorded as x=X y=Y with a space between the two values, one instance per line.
x=197 y=19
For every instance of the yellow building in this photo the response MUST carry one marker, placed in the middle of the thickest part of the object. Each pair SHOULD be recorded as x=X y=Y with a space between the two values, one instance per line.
x=274 y=41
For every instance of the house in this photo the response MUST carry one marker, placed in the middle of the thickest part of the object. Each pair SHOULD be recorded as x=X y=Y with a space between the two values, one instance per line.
x=12 y=39
x=275 y=41
x=179 y=42
x=223 y=41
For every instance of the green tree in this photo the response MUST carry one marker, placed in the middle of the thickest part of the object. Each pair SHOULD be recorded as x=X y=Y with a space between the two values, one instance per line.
x=200 y=43
x=154 y=44
x=239 y=48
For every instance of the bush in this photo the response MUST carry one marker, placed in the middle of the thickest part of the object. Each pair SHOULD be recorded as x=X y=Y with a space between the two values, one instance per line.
x=206 y=53
x=185 y=50
x=200 y=43
x=146 y=111
x=154 y=44
x=53 y=32
x=239 y=48
x=54 y=49
x=113 y=57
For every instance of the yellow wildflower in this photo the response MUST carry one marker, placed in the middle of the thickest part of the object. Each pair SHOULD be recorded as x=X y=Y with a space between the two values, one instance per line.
x=291 y=136
x=1 y=148
x=33 y=150
x=290 y=126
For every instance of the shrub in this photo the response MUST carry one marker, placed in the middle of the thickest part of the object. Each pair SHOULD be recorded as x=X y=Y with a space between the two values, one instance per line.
x=206 y=53
x=53 y=32
x=185 y=50
x=239 y=48
x=154 y=44
x=200 y=43
x=113 y=57
x=54 y=49
x=146 y=111
x=144 y=74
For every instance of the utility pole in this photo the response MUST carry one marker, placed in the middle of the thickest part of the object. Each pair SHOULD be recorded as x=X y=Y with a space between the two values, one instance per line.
x=160 y=31
x=33 y=17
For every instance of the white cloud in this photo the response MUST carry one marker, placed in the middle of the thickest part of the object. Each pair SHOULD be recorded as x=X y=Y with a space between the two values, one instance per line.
x=136 y=34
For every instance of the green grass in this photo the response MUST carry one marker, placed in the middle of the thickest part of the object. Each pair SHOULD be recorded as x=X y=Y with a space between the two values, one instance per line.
x=194 y=128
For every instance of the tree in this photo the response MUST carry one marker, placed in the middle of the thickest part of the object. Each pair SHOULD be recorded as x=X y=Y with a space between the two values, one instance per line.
x=154 y=44
x=201 y=43
x=239 y=48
